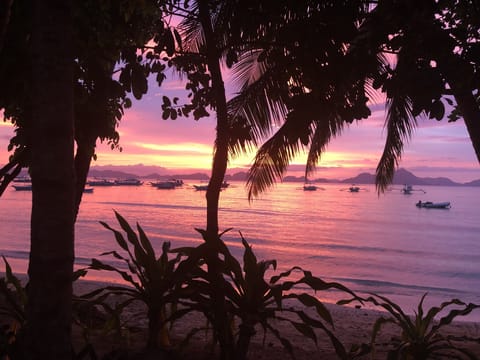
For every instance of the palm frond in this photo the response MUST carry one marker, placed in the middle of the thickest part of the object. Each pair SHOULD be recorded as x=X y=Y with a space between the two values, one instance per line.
x=325 y=130
x=191 y=31
x=400 y=124
x=274 y=156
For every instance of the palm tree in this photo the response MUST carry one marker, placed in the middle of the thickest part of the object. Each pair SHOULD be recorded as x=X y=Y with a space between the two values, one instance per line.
x=325 y=88
x=305 y=82
x=434 y=44
x=52 y=227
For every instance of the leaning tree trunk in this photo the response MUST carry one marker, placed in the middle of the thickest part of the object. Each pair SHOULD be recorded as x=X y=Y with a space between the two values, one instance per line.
x=219 y=167
x=83 y=159
x=457 y=73
x=50 y=269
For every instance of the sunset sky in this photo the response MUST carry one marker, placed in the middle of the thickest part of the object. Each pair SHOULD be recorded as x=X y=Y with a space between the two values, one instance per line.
x=185 y=145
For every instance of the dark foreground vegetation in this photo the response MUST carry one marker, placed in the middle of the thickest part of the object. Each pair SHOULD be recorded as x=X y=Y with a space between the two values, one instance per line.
x=174 y=287
x=304 y=70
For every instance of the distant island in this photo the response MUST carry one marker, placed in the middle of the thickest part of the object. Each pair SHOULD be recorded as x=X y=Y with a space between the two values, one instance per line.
x=401 y=176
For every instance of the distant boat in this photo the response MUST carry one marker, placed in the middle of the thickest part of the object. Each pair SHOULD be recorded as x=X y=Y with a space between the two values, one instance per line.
x=225 y=185
x=408 y=189
x=201 y=187
x=23 y=187
x=128 y=182
x=354 y=188
x=177 y=182
x=101 y=182
x=309 y=187
x=163 y=184
x=88 y=190
x=432 y=205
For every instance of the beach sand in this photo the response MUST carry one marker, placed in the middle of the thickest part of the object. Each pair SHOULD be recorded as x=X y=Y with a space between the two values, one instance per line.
x=352 y=326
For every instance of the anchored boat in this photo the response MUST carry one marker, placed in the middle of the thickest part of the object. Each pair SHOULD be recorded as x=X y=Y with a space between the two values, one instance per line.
x=433 y=205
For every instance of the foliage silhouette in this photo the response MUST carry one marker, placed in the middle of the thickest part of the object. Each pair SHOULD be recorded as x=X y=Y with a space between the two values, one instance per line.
x=421 y=337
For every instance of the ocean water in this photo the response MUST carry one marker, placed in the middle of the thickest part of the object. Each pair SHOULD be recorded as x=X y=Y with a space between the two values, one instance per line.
x=369 y=243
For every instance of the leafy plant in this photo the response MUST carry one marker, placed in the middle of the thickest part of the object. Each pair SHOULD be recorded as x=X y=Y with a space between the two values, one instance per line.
x=15 y=295
x=253 y=300
x=152 y=279
x=12 y=308
x=420 y=337
x=256 y=300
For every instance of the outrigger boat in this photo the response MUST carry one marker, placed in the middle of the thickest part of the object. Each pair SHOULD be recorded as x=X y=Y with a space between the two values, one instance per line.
x=432 y=205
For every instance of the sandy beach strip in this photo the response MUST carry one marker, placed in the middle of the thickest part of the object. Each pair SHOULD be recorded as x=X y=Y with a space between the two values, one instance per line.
x=352 y=326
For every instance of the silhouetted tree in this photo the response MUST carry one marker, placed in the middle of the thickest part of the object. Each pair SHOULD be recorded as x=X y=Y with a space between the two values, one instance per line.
x=52 y=224
x=318 y=69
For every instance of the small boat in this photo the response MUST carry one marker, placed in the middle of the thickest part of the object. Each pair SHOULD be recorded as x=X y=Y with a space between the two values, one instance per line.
x=354 y=188
x=177 y=182
x=408 y=189
x=88 y=189
x=225 y=185
x=101 y=182
x=432 y=205
x=23 y=187
x=128 y=182
x=163 y=184
x=309 y=187
x=201 y=187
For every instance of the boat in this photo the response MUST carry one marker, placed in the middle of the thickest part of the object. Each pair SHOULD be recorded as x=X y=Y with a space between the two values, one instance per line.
x=128 y=182
x=408 y=189
x=354 y=188
x=177 y=182
x=101 y=182
x=433 y=205
x=309 y=187
x=225 y=185
x=163 y=184
x=201 y=187
x=88 y=189
x=23 y=187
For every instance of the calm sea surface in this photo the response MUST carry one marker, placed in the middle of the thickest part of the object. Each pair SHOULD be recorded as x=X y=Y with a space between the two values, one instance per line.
x=371 y=244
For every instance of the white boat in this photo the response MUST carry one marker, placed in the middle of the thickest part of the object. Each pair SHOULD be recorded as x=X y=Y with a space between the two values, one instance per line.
x=432 y=205
x=163 y=184
x=128 y=182
x=23 y=187
x=88 y=189
x=101 y=182
x=201 y=187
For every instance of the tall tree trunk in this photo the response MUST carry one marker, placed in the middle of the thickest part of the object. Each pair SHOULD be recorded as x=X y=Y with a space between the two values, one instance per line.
x=219 y=167
x=50 y=269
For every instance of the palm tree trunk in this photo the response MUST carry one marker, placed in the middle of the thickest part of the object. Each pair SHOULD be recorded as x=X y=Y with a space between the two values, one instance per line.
x=48 y=334
x=219 y=167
